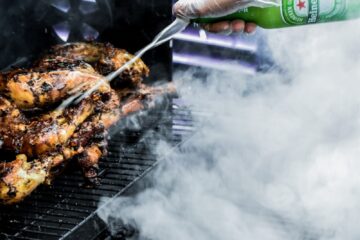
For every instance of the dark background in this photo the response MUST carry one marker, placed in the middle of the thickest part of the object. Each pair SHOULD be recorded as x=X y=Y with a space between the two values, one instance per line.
x=27 y=28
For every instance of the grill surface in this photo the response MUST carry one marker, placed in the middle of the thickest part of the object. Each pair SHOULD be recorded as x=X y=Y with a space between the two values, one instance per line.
x=67 y=210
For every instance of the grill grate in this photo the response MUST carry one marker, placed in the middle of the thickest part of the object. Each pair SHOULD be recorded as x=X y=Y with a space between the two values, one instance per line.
x=66 y=209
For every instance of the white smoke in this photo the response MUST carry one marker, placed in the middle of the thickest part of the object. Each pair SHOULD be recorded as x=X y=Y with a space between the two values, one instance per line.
x=275 y=159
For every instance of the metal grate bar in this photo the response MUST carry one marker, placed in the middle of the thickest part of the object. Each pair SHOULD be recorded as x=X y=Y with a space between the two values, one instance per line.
x=49 y=226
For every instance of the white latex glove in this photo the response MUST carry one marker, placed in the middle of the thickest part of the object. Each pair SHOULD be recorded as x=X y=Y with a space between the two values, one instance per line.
x=190 y=9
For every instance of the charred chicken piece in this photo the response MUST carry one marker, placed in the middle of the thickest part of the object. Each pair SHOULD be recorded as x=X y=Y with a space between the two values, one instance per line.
x=108 y=114
x=20 y=177
x=105 y=58
x=89 y=162
x=46 y=132
x=13 y=125
x=44 y=136
x=40 y=89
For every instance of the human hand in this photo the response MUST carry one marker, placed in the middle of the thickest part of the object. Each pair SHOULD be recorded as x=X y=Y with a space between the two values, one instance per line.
x=191 y=9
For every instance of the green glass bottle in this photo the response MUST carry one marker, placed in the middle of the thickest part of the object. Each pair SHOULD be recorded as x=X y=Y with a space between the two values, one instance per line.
x=295 y=12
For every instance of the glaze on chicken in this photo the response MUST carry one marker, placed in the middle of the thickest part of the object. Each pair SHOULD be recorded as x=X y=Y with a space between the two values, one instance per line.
x=105 y=58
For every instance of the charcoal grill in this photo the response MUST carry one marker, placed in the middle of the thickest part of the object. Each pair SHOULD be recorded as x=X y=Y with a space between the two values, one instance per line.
x=67 y=209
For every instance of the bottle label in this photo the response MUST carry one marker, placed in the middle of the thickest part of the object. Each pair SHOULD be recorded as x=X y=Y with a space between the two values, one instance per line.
x=299 y=12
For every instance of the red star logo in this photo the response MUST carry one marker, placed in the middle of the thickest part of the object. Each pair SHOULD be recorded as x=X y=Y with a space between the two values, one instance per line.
x=300 y=5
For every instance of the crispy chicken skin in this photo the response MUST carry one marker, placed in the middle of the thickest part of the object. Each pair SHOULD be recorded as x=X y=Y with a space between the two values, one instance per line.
x=50 y=83
x=40 y=89
x=105 y=58
x=62 y=63
x=20 y=177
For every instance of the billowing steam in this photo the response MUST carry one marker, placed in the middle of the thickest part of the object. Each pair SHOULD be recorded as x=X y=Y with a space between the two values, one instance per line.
x=273 y=158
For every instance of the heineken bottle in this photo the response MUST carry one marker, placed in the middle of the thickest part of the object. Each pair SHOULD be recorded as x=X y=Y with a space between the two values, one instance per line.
x=295 y=12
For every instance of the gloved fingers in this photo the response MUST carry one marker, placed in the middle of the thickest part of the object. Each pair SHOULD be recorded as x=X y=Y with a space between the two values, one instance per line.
x=238 y=25
x=227 y=27
x=250 y=27
x=218 y=27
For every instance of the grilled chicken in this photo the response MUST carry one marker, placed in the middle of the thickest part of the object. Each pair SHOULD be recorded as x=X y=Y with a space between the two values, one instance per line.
x=46 y=140
x=105 y=58
x=20 y=177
